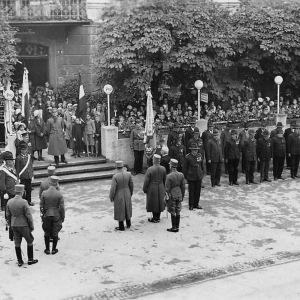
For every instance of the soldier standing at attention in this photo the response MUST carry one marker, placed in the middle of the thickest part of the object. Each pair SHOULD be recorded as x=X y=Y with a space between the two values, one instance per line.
x=232 y=157
x=137 y=146
x=154 y=187
x=215 y=158
x=20 y=219
x=120 y=194
x=249 y=152
x=53 y=214
x=225 y=136
x=279 y=149
x=46 y=182
x=264 y=151
x=175 y=188
x=259 y=135
x=286 y=134
x=206 y=136
x=194 y=175
x=189 y=133
x=293 y=147
x=243 y=135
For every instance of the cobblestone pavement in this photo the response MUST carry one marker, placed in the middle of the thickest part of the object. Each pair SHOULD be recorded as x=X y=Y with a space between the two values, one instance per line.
x=240 y=228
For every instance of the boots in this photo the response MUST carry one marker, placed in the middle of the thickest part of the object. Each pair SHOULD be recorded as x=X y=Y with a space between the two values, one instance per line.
x=55 y=240
x=63 y=159
x=128 y=223
x=47 y=244
x=19 y=256
x=31 y=261
x=121 y=226
x=174 y=228
x=177 y=222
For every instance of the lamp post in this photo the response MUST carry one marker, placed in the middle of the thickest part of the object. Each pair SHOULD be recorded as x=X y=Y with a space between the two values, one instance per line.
x=278 y=80
x=108 y=90
x=198 y=85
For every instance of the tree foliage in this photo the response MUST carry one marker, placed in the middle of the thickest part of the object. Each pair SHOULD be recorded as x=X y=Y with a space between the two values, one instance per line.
x=195 y=40
x=8 y=54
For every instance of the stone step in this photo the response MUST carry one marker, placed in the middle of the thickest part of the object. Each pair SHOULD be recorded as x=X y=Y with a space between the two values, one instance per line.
x=79 y=177
x=72 y=168
x=81 y=161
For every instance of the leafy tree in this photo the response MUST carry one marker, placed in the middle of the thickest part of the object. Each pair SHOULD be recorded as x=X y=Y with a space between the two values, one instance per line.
x=189 y=39
x=8 y=54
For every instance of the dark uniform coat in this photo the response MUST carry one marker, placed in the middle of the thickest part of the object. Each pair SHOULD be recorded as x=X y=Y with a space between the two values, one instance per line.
x=249 y=150
x=232 y=149
x=45 y=186
x=57 y=142
x=40 y=130
x=21 y=162
x=264 y=149
x=171 y=137
x=154 y=186
x=206 y=136
x=175 y=185
x=121 y=192
x=214 y=150
x=279 y=146
x=189 y=133
x=293 y=144
x=8 y=180
x=192 y=167
x=178 y=153
x=199 y=145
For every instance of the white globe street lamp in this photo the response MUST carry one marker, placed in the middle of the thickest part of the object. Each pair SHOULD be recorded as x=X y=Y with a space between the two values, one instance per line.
x=278 y=80
x=198 y=85
x=108 y=90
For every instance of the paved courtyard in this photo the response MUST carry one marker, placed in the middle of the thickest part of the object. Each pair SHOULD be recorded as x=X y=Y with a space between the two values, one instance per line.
x=240 y=228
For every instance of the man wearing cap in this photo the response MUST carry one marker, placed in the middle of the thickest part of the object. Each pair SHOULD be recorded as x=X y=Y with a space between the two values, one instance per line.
x=177 y=151
x=286 y=134
x=173 y=134
x=259 y=135
x=274 y=131
x=53 y=214
x=45 y=184
x=8 y=179
x=264 y=151
x=293 y=150
x=193 y=174
x=206 y=136
x=243 y=135
x=225 y=136
x=175 y=189
x=20 y=220
x=154 y=187
x=57 y=142
x=279 y=149
x=232 y=156
x=249 y=152
x=195 y=140
x=137 y=146
x=24 y=169
x=120 y=194
x=40 y=130
x=215 y=158
x=189 y=133
x=68 y=121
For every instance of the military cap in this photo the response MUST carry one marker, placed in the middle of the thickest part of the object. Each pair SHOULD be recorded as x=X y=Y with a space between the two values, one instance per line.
x=279 y=124
x=233 y=131
x=19 y=188
x=156 y=158
x=23 y=146
x=7 y=155
x=194 y=146
x=119 y=164
x=53 y=180
x=173 y=163
x=265 y=132
x=196 y=130
x=51 y=170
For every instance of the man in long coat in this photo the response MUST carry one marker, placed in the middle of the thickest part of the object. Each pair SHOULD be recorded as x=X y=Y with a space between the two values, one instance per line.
x=20 y=220
x=120 y=194
x=206 y=136
x=286 y=134
x=40 y=130
x=293 y=150
x=264 y=151
x=53 y=214
x=175 y=189
x=249 y=152
x=57 y=142
x=154 y=187
x=68 y=121
x=215 y=158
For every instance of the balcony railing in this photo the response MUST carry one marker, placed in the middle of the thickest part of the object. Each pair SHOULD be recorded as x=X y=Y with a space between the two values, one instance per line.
x=43 y=10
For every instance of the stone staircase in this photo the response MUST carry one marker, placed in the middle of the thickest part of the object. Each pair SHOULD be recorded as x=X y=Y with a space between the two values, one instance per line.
x=77 y=169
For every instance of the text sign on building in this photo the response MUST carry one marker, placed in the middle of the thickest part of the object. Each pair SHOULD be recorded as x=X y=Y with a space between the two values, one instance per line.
x=204 y=97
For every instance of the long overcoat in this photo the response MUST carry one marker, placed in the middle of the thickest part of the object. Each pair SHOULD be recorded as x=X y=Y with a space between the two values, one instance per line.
x=57 y=142
x=40 y=130
x=121 y=191
x=154 y=186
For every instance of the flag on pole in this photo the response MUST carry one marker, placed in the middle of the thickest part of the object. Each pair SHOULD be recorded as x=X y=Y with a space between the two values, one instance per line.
x=81 y=107
x=149 y=130
x=25 y=96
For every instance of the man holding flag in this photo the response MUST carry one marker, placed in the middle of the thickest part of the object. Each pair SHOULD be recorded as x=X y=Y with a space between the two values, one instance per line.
x=25 y=96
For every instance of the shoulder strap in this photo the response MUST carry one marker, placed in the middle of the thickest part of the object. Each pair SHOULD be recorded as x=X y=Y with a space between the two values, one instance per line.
x=23 y=170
